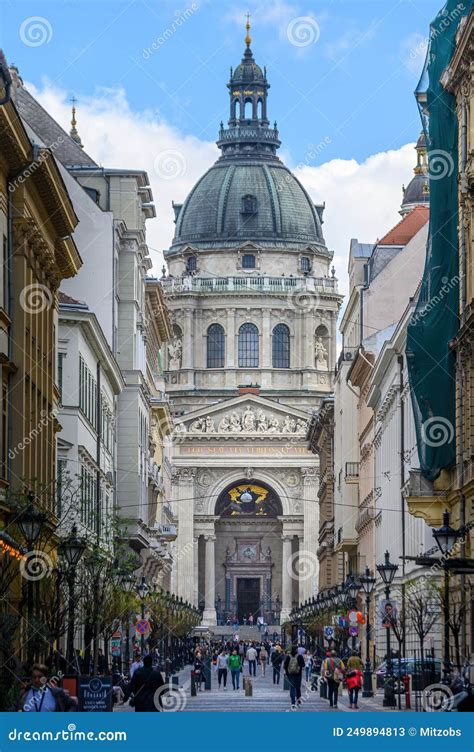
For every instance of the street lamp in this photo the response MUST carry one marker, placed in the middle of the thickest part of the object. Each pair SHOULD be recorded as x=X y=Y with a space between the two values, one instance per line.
x=30 y=521
x=367 y=583
x=142 y=589
x=95 y=564
x=72 y=549
x=387 y=572
x=446 y=537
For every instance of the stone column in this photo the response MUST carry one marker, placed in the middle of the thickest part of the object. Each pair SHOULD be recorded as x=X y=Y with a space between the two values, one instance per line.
x=209 y=617
x=266 y=349
x=183 y=493
x=310 y=545
x=302 y=569
x=230 y=361
x=308 y=341
x=286 y=578
x=188 y=339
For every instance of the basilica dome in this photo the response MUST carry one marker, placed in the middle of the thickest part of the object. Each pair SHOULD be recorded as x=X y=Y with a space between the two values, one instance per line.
x=248 y=194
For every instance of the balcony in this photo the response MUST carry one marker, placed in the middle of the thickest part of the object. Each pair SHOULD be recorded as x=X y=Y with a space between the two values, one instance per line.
x=352 y=472
x=165 y=532
x=246 y=285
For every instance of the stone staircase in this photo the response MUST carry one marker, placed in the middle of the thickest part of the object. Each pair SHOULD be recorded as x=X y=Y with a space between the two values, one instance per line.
x=245 y=632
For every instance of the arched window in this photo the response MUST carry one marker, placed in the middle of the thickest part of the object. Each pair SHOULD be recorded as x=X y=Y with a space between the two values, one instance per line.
x=322 y=347
x=248 y=109
x=260 y=109
x=236 y=109
x=281 y=346
x=248 y=346
x=215 y=346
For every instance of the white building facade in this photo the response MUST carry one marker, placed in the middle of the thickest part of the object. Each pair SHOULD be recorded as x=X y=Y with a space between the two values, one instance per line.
x=253 y=305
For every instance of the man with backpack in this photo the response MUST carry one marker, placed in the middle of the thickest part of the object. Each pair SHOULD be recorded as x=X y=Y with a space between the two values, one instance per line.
x=333 y=672
x=293 y=666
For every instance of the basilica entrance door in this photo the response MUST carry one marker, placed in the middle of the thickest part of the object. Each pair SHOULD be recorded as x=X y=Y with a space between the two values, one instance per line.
x=248 y=597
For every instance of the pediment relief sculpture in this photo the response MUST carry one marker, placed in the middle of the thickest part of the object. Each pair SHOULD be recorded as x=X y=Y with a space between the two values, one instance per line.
x=250 y=421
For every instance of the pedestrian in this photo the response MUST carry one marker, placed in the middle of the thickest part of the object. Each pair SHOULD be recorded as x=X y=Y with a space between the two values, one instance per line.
x=242 y=652
x=222 y=668
x=143 y=690
x=354 y=683
x=333 y=672
x=252 y=659
x=251 y=620
x=293 y=666
x=43 y=696
x=259 y=623
x=263 y=659
x=276 y=660
x=235 y=665
x=354 y=661
x=137 y=663
x=308 y=662
x=198 y=669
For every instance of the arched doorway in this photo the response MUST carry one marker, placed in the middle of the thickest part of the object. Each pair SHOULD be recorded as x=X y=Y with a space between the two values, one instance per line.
x=248 y=553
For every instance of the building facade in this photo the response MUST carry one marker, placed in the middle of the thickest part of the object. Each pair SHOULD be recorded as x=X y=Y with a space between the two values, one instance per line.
x=254 y=306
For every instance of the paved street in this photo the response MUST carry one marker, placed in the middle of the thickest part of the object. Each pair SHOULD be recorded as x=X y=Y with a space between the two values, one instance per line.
x=266 y=698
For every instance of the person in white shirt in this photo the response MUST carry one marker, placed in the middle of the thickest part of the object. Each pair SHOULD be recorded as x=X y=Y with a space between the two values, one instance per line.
x=222 y=668
x=252 y=659
x=137 y=663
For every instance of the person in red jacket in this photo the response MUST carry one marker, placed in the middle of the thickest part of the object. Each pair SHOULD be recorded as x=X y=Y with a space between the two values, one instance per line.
x=354 y=683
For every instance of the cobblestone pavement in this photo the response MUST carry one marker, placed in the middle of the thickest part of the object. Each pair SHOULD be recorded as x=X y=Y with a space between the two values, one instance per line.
x=266 y=698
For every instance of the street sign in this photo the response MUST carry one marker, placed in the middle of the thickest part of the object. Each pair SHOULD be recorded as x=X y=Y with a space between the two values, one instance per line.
x=353 y=631
x=328 y=632
x=142 y=626
x=342 y=622
x=95 y=694
x=352 y=616
x=116 y=643
x=354 y=643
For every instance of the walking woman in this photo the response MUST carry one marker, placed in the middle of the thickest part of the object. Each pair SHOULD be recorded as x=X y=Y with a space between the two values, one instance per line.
x=198 y=669
x=354 y=683
x=222 y=667
x=263 y=657
x=235 y=665
x=308 y=662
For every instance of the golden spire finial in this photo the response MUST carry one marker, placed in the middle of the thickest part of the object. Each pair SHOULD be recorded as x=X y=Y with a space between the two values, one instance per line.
x=73 y=132
x=248 y=38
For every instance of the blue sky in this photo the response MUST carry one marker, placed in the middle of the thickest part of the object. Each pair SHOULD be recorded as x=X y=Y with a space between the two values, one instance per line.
x=151 y=91
x=352 y=85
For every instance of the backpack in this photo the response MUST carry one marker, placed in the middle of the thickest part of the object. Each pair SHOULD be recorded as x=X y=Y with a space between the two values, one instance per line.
x=293 y=665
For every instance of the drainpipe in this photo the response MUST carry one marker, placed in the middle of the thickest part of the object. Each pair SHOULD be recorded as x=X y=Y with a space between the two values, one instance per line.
x=99 y=436
x=402 y=483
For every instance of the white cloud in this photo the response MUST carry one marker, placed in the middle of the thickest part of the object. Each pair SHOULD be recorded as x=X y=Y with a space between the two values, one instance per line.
x=114 y=136
x=362 y=199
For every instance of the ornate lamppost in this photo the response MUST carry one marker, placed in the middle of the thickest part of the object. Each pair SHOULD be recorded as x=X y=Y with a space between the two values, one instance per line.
x=387 y=572
x=142 y=589
x=446 y=537
x=368 y=583
x=127 y=583
x=31 y=522
x=72 y=549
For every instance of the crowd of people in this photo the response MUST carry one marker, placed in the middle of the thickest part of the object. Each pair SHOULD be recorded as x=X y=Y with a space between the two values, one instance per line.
x=239 y=659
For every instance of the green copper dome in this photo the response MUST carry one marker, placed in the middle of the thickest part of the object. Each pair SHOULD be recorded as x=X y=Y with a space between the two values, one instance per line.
x=248 y=194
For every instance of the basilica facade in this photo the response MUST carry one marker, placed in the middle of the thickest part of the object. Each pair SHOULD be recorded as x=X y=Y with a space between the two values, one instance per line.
x=253 y=304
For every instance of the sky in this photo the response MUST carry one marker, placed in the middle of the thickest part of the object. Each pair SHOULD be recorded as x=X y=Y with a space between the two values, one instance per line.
x=150 y=81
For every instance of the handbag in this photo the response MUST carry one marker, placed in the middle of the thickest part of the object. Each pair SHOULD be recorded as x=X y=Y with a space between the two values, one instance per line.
x=351 y=674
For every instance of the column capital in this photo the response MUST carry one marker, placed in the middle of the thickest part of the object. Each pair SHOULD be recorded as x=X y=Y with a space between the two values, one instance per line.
x=286 y=538
x=209 y=538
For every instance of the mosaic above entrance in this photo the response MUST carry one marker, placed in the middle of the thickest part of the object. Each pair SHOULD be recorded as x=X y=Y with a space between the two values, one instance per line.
x=248 y=500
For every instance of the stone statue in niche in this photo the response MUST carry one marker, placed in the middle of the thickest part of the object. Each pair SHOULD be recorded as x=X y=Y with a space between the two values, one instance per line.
x=321 y=355
x=175 y=349
x=268 y=554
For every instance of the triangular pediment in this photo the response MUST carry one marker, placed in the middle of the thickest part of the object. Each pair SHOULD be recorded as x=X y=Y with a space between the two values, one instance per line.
x=246 y=415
